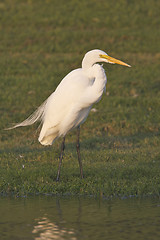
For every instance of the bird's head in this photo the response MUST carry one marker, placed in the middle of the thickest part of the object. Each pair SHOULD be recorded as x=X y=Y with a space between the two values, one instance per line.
x=97 y=55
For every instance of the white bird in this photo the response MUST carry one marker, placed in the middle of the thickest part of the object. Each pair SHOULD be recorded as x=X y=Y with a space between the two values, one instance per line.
x=69 y=105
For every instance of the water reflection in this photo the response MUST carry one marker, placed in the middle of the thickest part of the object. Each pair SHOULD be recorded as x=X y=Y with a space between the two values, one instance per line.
x=79 y=218
x=48 y=230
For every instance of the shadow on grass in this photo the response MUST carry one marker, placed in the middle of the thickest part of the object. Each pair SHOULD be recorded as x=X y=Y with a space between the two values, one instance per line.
x=104 y=141
x=25 y=149
x=96 y=143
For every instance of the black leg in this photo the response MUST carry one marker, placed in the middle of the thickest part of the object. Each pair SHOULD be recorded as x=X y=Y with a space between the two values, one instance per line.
x=78 y=152
x=60 y=159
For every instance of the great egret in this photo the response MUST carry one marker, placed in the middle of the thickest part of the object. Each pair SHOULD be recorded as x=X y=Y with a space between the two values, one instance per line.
x=69 y=105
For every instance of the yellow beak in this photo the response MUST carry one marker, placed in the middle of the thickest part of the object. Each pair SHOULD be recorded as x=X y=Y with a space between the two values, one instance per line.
x=114 y=60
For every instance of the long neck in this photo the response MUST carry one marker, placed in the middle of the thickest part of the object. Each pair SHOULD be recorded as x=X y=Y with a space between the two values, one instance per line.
x=98 y=79
x=87 y=63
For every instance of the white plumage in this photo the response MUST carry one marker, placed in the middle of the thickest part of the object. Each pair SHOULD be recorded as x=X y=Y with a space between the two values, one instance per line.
x=69 y=105
x=71 y=102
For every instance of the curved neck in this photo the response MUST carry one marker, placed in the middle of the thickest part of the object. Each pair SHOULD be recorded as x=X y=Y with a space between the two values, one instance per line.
x=87 y=63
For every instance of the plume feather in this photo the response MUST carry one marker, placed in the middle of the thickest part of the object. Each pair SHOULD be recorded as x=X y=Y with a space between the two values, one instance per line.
x=37 y=115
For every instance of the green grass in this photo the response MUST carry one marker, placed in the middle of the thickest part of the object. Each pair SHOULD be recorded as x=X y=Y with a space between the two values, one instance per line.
x=40 y=42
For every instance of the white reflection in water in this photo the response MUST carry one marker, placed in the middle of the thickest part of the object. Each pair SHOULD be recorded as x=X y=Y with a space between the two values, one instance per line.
x=48 y=230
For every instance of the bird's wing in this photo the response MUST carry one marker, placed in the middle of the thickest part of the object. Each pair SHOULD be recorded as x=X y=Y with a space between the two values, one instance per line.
x=68 y=92
x=62 y=102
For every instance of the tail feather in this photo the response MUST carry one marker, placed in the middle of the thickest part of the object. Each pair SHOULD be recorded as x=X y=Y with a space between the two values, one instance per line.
x=34 y=117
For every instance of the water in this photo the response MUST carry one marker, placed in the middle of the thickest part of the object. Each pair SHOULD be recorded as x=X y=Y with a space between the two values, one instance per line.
x=79 y=218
